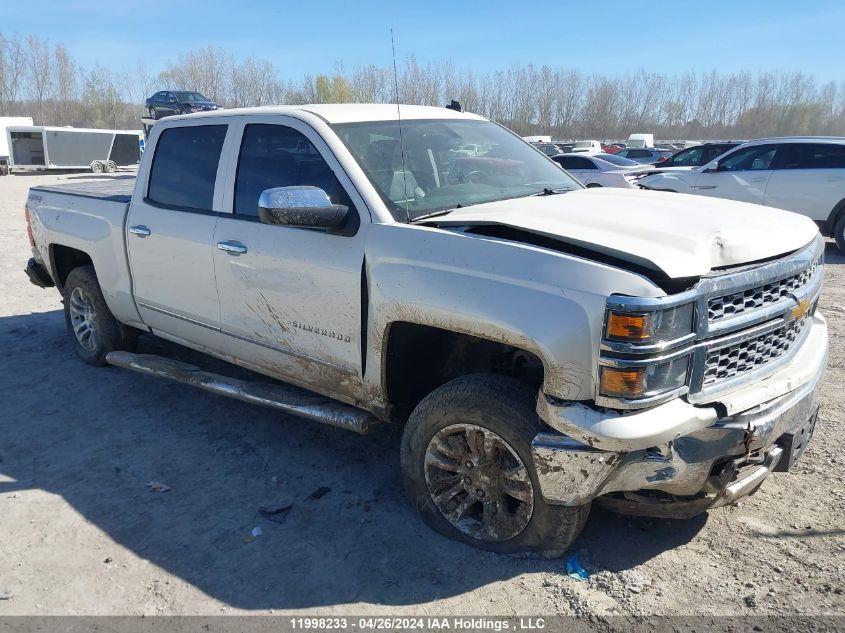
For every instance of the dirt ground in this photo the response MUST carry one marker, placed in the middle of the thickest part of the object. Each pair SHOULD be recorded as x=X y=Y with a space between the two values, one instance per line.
x=82 y=533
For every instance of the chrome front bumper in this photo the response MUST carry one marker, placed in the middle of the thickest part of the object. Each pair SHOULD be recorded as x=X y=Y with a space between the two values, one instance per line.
x=697 y=458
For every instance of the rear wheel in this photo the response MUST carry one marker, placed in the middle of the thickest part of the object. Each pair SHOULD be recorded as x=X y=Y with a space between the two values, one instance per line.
x=92 y=327
x=111 y=167
x=97 y=167
x=839 y=232
x=153 y=114
x=593 y=185
x=467 y=466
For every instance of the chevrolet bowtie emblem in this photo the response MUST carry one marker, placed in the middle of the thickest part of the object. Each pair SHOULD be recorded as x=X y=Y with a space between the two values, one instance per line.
x=799 y=311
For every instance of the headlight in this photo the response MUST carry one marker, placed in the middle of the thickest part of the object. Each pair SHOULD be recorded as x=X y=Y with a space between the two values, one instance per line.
x=658 y=326
x=644 y=381
x=645 y=356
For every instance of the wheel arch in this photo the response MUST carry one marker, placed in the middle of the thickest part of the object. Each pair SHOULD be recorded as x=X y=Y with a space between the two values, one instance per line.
x=64 y=259
x=440 y=355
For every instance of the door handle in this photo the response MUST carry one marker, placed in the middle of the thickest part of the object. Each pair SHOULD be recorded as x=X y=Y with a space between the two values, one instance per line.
x=140 y=230
x=232 y=247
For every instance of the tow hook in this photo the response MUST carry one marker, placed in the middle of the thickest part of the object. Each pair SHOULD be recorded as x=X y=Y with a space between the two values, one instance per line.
x=749 y=439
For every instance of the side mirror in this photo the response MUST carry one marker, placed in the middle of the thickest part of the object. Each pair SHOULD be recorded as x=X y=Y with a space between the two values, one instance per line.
x=305 y=207
x=712 y=166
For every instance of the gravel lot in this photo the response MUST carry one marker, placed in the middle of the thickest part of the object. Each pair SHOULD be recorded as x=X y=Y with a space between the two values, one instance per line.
x=82 y=533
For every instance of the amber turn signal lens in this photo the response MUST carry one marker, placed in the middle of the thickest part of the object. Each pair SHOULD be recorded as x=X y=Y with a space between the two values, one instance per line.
x=628 y=326
x=623 y=383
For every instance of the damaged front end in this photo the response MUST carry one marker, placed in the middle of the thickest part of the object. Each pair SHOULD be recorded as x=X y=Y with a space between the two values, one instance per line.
x=757 y=351
x=706 y=469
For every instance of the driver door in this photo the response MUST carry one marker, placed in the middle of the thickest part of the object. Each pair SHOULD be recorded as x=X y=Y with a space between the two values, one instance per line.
x=290 y=298
x=742 y=175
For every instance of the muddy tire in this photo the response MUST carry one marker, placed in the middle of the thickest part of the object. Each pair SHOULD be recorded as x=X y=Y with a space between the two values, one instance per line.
x=839 y=233
x=94 y=332
x=467 y=468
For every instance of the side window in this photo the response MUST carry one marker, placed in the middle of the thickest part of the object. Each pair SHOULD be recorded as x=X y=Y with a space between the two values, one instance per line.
x=750 y=158
x=185 y=166
x=279 y=156
x=159 y=96
x=812 y=156
x=687 y=157
x=568 y=162
x=585 y=163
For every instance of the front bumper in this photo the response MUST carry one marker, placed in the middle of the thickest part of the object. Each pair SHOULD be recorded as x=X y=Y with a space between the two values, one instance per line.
x=693 y=458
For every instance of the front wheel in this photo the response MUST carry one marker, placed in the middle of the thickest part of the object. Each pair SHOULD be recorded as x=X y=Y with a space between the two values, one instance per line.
x=593 y=185
x=92 y=327
x=467 y=467
x=97 y=167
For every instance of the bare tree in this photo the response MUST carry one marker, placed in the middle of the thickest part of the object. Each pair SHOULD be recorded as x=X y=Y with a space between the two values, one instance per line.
x=40 y=64
x=65 y=81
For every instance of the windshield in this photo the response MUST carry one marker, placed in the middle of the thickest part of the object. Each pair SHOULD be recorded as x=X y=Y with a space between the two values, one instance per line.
x=448 y=164
x=584 y=144
x=190 y=96
x=620 y=161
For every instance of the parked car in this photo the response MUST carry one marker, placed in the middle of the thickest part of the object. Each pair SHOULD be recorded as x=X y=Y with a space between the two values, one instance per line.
x=801 y=174
x=170 y=102
x=542 y=345
x=564 y=148
x=621 y=161
x=592 y=171
x=698 y=155
x=612 y=148
x=646 y=156
x=549 y=149
x=587 y=147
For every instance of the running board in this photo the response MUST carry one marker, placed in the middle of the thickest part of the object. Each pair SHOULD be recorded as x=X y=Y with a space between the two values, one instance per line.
x=285 y=398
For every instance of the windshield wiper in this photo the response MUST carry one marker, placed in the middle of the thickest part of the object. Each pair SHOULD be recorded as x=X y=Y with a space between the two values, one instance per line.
x=548 y=191
x=437 y=214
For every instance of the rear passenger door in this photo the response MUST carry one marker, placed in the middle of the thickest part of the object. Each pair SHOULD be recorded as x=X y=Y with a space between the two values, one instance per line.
x=290 y=300
x=809 y=178
x=170 y=232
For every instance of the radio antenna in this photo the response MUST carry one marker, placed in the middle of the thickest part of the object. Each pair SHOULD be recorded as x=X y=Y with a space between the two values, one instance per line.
x=399 y=117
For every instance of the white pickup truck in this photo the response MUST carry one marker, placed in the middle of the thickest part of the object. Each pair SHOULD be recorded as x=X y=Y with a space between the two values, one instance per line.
x=544 y=345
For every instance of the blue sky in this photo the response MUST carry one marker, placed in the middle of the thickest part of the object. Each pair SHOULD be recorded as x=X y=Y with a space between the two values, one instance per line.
x=605 y=36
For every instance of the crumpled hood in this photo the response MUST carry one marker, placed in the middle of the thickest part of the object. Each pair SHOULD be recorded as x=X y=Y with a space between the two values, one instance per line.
x=680 y=235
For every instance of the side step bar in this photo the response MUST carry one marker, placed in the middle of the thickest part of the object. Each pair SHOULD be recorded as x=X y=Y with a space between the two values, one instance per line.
x=284 y=398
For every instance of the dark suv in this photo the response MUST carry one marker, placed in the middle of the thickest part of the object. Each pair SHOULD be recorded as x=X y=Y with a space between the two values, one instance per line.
x=169 y=102
x=699 y=154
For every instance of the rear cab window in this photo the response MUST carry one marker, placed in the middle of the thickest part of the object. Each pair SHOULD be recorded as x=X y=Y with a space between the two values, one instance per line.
x=184 y=169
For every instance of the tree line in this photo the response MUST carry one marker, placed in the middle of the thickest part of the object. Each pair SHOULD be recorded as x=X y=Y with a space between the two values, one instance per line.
x=43 y=80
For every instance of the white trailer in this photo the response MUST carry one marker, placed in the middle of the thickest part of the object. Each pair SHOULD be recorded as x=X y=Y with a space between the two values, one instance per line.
x=6 y=121
x=33 y=147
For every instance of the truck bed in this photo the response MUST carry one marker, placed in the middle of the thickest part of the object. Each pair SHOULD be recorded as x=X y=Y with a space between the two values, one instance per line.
x=112 y=189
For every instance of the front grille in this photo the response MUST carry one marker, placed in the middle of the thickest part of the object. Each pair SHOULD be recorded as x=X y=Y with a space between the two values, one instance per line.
x=734 y=304
x=737 y=359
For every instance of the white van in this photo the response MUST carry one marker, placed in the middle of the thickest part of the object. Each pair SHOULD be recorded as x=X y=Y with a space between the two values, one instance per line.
x=587 y=147
x=641 y=140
